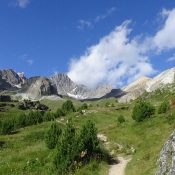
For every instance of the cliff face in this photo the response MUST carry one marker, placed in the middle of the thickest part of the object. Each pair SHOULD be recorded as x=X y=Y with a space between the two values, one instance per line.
x=166 y=160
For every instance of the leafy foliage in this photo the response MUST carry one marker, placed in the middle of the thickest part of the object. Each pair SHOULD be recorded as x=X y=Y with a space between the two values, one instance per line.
x=164 y=107
x=68 y=107
x=83 y=107
x=59 y=112
x=75 y=150
x=66 y=150
x=22 y=120
x=49 y=116
x=142 y=110
x=52 y=136
x=7 y=126
x=121 y=119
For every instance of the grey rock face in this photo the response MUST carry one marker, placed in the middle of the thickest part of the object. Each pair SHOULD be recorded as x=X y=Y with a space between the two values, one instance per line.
x=4 y=85
x=65 y=86
x=145 y=84
x=166 y=160
x=62 y=83
x=134 y=90
x=11 y=77
x=41 y=87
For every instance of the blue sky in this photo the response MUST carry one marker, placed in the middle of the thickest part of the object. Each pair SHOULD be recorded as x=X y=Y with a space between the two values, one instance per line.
x=41 y=37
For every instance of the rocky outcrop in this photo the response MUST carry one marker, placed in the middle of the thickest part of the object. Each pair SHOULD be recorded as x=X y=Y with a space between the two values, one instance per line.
x=145 y=84
x=39 y=87
x=4 y=85
x=134 y=90
x=166 y=161
x=61 y=85
x=164 y=78
x=11 y=77
x=65 y=86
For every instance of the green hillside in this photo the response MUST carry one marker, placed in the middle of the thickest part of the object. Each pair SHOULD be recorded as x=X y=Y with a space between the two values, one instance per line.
x=23 y=151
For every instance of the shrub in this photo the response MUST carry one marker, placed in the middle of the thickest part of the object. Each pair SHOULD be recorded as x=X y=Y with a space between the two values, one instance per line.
x=7 y=126
x=33 y=118
x=88 y=141
x=66 y=150
x=52 y=136
x=83 y=107
x=68 y=107
x=20 y=121
x=164 y=107
x=121 y=119
x=74 y=150
x=49 y=116
x=59 y=113
x=142 y=110
x=107 y=104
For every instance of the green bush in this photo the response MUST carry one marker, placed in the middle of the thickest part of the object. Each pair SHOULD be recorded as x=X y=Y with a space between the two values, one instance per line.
x=68 y=107
x=76 y=149
x=7 y=126
x=59 y=113
x=164 y=107
x=49 y=116
x=22 y=120
x=88 y=141
x=121 y=119
x=142 y=110
x=107 y=104
x=66 y=150
x=52 y=136
x=83 y=107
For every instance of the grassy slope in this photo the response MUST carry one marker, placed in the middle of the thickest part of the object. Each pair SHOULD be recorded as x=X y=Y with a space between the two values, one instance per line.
x=25 y=151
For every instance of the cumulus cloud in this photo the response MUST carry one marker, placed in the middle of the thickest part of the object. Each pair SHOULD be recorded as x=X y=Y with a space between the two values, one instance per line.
x=119 y=58
x=165 y=37
x=115 y=59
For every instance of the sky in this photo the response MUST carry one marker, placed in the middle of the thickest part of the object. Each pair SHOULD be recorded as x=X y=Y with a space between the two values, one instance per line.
x=94 y=42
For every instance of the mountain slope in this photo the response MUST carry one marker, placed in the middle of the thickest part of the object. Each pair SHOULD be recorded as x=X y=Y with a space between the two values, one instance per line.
x=145 y=84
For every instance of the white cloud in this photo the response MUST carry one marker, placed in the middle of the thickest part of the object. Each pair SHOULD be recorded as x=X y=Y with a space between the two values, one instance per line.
x=22 y=3
x=84 y=24
x=118 y=59
x=172 y=58
x=105 y=15
x=115 y=60
x=165 y=37
x=29 y=61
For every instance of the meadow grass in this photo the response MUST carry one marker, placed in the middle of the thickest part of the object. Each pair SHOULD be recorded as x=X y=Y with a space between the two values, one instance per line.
x=25 y=152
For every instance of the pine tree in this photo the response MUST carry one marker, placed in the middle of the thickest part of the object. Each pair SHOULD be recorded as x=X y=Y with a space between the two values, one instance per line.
x=68 y=107
x=52 y=136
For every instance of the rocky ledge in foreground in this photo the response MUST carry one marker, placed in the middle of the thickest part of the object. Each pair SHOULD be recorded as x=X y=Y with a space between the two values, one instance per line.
x=166 y=160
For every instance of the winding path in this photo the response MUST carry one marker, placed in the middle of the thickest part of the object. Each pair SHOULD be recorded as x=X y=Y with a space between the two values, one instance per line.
x=117 y=167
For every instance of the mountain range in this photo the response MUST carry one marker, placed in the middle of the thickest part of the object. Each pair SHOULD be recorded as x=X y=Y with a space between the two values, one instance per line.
x=60 y=84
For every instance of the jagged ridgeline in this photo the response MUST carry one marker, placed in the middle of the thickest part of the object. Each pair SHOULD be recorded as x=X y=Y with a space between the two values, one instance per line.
x=60 y=85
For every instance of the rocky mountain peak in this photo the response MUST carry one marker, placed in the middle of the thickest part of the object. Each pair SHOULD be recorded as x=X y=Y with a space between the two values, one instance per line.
x=10 y=76
x=166 y=77
x=138 y=87
x=137 y=84
x=62 y=83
